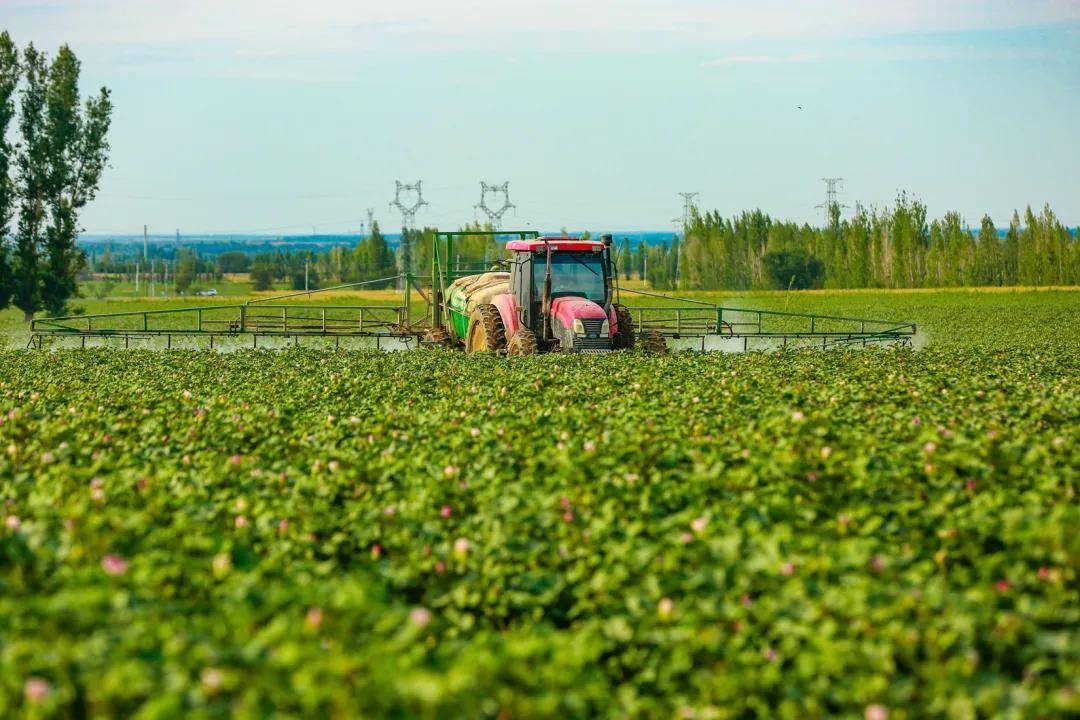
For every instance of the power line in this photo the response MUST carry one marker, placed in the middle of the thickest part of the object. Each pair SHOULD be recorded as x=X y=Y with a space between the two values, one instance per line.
x=495 y=214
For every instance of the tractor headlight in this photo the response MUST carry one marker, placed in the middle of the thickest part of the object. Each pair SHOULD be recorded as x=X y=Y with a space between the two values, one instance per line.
x=579 y=327
x=605 y=329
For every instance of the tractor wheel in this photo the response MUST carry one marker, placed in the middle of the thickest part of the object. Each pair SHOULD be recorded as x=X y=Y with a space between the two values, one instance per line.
x=654 y=342
x=486 y=332
x=522 y=342
x=624 y=333
x=436 y=337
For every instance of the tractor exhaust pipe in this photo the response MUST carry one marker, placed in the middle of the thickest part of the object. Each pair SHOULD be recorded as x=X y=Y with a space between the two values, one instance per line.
x=546 y=300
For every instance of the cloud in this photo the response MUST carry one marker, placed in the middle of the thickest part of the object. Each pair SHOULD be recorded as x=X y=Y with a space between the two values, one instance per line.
x=759 y=60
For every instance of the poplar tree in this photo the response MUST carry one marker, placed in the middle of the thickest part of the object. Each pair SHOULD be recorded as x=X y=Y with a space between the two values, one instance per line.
x=61 y=153
x=9 y=80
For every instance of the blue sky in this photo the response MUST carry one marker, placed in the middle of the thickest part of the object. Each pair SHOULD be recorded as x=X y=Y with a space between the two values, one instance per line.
x=280 y=117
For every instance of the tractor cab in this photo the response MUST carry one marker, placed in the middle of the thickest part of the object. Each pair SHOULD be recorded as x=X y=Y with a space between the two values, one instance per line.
x=579 y=270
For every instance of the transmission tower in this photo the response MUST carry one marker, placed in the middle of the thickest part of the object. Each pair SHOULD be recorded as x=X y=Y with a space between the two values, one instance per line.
x=408 y=217
x=832 y=189
x=370 y=221
x=687 y=210
x=495 y=215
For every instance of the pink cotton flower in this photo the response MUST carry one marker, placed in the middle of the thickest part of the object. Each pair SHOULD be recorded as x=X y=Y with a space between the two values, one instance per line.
x=314 y=617
x=114 y=565
x=13 y=522
x=420 y=617
x=445 y=512
x=241 y=522
x=376 y=551
x=450 y=471
x=36 y=690
x=568 y=516
x=564 y=502
x=877 y=563
x=440 y=567
x=916 y=421
x=1002 y=585
x=746 y=600
x=461 y=547
x=876 y=712
x=235 y=460
x=769 y=654
x=589 y=446
x=686 y=538
x=787 y=569
x=283 y=526
x=797 y=416
x=698 y=524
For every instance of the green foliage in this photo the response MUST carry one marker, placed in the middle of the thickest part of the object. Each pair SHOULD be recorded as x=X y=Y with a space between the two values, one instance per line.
x=262 y=275
x=233 y=262
x=800 y=534
x=896 y=247
x=373 y=259
x=187 y=266
x=61 y=153
x=794 y=269
x=9 y=80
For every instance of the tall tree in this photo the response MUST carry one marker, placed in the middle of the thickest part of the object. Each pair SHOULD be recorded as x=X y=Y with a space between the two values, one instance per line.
x=32 y=161
x=9 y=81
x=77 y=149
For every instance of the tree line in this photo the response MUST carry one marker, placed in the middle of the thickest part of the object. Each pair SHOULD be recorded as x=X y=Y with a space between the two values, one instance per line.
x=896 y=247
x=53 y=149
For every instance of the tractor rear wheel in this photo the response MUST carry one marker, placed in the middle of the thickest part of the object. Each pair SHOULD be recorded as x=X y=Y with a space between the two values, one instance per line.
x=623 y=339
x=522 y=342
x=486 y=332
x=654 y=342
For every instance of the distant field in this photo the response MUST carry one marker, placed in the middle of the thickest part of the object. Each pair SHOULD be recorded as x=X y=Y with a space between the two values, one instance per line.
x=990 y=317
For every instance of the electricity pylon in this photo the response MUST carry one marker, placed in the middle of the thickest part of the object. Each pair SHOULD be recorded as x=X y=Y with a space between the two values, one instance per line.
x=495 y=215
x=408 y=217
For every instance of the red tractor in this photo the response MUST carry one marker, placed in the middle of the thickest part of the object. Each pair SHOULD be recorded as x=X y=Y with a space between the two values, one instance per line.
x=558 y=295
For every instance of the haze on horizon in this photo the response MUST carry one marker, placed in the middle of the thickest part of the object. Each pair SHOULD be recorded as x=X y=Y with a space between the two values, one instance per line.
x=261 y=116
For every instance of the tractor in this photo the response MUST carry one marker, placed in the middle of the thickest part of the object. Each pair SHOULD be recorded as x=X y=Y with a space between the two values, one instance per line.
x=557 y=294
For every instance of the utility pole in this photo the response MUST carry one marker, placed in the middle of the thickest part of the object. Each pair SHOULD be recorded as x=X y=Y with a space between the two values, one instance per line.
x=306 y=263
x=152 y=278
x=408 y=217
x=136 y=277
x=832 y=188
x=145 y=244
x=495 y=214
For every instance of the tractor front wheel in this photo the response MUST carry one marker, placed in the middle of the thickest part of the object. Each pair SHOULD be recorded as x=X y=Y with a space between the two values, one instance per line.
x=654 y=342
x=623 y=339
x=522 y=342
x=486 y=332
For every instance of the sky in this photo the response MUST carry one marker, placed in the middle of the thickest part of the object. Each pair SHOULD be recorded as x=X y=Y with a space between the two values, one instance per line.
x=279 y=117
